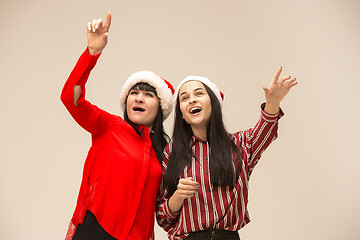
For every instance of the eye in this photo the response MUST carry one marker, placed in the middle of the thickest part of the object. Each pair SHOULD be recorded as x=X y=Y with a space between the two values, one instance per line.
x=183 y=98
x=133 y=92
x=199 y=93
x=149 y=94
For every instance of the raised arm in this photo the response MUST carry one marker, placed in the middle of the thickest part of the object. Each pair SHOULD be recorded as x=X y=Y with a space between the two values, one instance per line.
x=97 y=35
x=254 y=141
x=87 y=115
x=277 y=90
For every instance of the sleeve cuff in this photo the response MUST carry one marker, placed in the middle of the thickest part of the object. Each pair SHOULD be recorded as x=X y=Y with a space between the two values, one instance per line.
x=271 y=117
x=168 y=212
x=91 y=59
x=84 y=66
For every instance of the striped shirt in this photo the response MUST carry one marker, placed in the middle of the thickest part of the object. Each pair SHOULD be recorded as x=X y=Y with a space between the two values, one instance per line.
x=217 y=207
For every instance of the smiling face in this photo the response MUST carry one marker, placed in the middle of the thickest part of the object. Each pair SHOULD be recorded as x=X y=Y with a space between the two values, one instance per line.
x=195 y=105
x=142 y=107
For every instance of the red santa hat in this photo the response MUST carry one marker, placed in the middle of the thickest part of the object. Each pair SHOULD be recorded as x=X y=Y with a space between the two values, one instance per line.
x=164 y=89
x=219 y=95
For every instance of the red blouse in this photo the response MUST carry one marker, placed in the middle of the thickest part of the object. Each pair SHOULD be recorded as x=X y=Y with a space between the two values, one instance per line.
x=121 y=174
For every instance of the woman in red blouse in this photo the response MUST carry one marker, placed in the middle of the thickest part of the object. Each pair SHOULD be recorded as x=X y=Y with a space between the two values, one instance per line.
x=204 y=193
x=122 y=171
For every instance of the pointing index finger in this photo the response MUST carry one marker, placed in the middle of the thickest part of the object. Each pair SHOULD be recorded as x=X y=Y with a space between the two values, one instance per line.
x=277 y=75
x=108 y=21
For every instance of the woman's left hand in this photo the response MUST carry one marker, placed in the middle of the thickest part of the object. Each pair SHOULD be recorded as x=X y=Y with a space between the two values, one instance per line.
x=277 y=90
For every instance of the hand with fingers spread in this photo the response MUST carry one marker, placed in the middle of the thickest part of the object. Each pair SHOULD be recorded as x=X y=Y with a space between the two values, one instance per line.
x=277 y=90
x=97 y=34
x=186 y=188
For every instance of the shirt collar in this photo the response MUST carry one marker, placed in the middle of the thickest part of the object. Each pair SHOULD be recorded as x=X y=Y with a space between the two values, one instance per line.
x=196 y=139
x=144 y=130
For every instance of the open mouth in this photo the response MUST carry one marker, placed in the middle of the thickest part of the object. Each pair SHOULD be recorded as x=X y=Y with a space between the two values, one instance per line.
x=195 y=110
x=138 y=109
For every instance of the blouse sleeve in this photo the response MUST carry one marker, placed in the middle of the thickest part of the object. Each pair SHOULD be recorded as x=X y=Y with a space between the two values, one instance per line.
x=88 y=116
x=254 y=141
x=164 y=217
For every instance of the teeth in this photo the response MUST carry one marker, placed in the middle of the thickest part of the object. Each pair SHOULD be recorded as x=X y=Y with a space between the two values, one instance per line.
x=195 y=110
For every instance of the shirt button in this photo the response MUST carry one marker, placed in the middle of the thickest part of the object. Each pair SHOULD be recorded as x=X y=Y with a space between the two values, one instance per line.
x=208 y=190
x=211 y=208
x=206 y=157
x=206 y=172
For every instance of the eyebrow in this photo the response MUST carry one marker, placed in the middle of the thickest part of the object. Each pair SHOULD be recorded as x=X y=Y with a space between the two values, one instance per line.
x=182 y=93
x=142 y=90
x=199 y=88
x=196 y=89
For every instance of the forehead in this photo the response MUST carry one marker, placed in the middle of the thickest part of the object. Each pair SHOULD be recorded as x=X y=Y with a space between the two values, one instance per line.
x=144 y=87
x=191 y=86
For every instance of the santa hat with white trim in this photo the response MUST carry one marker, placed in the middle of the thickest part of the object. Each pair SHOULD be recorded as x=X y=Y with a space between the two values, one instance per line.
x=219 y=95
x=164 y=90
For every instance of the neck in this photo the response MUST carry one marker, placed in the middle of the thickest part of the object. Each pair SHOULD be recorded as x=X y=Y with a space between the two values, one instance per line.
x=149 y=127
x=200 y=133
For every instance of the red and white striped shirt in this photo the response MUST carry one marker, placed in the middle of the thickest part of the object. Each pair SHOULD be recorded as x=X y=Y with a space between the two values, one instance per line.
x=217 y=207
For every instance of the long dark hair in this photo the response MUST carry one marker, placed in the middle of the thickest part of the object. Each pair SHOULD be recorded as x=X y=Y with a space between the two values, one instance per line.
x=222 y=172
x=158 y=137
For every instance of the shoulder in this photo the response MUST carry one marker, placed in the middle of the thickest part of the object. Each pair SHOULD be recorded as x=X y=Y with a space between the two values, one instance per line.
x=114 y=120
x=237 y=136
x=166 y=154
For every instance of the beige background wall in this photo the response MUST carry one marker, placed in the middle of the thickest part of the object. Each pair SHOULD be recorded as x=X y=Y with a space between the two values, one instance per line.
x=307 y=183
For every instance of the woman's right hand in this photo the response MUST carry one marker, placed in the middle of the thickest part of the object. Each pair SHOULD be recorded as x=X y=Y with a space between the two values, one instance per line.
x=97 y=34
x=186 y=188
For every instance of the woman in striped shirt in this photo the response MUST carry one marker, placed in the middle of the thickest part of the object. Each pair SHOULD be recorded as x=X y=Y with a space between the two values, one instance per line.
x=204 y=192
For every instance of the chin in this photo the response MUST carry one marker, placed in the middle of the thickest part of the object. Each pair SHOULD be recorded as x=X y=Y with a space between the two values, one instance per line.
x=195 y=124
x=196 y=121
x=136 y=121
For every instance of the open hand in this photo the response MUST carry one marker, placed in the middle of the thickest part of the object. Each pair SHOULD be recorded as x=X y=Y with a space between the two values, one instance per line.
x=277 y=90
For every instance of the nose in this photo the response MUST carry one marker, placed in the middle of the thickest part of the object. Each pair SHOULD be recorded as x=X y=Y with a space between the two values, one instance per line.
x=192 y=99
x=139 y=98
